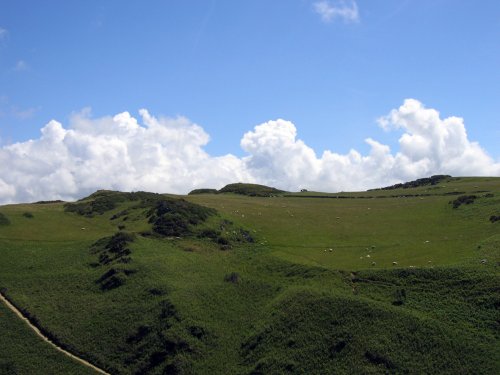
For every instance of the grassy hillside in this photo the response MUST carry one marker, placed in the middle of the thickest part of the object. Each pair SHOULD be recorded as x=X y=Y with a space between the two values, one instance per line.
x=21 y=352
x=413 y=227
x=225 y=283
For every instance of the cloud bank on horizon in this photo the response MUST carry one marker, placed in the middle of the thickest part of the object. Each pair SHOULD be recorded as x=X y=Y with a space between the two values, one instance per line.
x=167 y=155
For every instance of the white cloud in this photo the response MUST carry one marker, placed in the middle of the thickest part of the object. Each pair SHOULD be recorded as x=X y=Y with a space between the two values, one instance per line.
x=3 y=33
x=163 y=154
x=330 y=10
x=167 y=155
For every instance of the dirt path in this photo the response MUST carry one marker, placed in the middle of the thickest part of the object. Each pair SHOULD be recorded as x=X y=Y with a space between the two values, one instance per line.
x=46 y=339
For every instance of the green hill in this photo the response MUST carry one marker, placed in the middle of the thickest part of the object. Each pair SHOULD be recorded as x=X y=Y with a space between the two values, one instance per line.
x=252 y=190
x=384 y=281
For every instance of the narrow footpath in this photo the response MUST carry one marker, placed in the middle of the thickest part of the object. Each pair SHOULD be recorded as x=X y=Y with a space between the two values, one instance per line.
x=46 y=339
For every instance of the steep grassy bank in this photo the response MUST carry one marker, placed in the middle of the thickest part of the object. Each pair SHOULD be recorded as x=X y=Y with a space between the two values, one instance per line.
x=21 y=352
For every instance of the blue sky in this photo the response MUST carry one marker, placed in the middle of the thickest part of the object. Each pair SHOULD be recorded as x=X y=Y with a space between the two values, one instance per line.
x=330 y=67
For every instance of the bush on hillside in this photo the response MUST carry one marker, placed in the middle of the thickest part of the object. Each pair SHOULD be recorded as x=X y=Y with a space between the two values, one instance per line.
x=114 y=249
x=171 y=225
x=97 y=206
x=4 y=220
x=233 y=277
x=209 y=233
x=463 y=199
x=252 y=190
x=433 y=180
x=494 y=218
x=105 y=200
x=175 y=217
x=111 y=279
x=202 y=191
x=399 y=297
x=28 y=215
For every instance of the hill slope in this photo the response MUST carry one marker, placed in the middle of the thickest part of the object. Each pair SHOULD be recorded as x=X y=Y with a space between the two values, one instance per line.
x=140 y=282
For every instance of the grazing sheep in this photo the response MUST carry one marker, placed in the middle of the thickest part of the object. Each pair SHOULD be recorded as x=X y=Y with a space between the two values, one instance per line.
x=483 y=261
x=394 y=263
x=373 y=263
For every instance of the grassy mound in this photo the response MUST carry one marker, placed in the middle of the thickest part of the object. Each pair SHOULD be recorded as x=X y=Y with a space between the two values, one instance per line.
x=252 y=190
x=105 y=200
x=433 y=180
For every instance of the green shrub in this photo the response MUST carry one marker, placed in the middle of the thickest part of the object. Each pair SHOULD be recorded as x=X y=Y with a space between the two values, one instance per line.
x=209 y=233
x=433 y=180
x=171 y=225
x=253 y=190
x=463 y=199
x=114 y=249
x=28 y=215
x=4 y=220
x=222 y=240
x=233 y=277
x=105 y=200
x=399 y=297
x=175 y=217
x=203 y=191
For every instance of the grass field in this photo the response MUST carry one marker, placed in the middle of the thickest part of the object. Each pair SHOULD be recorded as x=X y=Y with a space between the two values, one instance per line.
x=254 y=288
x=419 y=230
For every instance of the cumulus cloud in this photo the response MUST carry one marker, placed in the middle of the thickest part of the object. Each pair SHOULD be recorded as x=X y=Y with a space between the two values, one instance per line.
x=162 y=154
x=167 y=155
x=329 y=11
